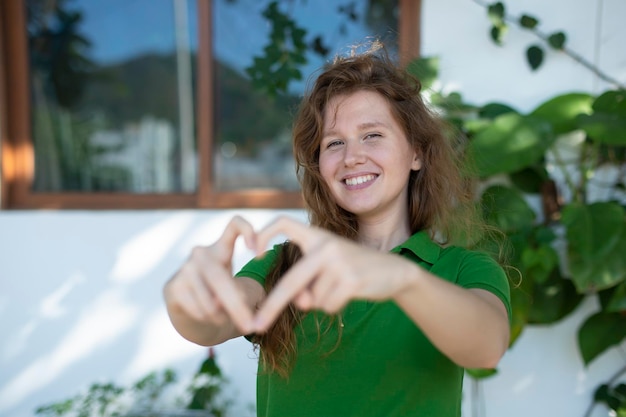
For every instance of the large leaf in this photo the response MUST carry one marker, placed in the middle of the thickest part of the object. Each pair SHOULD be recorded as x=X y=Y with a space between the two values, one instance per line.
x=492 y=110
x=596 y=239
x=553 y=299
x=506 y=208
x=607 y=124
x=598 y=333
x=614 y=298
x=521 y=304
x=530 y=179
x=539 y=262
x=561 y=111
x=510 y=143
x=521 y=286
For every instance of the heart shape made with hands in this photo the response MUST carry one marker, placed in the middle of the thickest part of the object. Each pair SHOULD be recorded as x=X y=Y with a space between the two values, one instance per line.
x=332 y=271
x=305 y=237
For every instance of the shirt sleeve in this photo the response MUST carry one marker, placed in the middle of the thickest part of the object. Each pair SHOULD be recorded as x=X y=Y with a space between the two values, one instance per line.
x=258 y=268
x=479 y=270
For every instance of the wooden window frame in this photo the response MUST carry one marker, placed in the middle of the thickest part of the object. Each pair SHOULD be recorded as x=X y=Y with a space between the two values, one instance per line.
x=16 y=147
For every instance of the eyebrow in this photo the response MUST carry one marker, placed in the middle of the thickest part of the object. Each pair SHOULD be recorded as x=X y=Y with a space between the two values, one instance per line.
x=362 y=126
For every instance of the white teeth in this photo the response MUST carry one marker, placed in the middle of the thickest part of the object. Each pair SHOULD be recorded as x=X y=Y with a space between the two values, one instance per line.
x=359 y=180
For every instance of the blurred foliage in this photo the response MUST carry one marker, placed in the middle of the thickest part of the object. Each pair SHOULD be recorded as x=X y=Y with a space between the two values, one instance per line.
x=148 y=397
x=518 y=157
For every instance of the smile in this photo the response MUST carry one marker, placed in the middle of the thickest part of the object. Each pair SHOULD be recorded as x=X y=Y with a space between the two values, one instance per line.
x=359 y=180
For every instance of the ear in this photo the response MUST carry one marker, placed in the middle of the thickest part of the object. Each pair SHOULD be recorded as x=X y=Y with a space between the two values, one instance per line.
x=416 y=165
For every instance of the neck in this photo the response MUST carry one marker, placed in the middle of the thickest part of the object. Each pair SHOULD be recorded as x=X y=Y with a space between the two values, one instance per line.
x=384 y=234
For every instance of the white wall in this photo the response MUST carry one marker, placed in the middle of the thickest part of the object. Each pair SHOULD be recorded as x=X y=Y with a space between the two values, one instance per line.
x=80 y=291
x=81 y=301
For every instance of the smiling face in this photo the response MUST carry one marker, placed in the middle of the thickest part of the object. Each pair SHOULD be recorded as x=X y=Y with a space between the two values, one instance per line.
x=365 y=158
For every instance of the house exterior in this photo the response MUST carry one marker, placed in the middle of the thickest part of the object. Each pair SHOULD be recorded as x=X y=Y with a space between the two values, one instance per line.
x=92 y=226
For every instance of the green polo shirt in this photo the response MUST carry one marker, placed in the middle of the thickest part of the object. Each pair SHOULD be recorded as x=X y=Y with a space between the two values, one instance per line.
x=383 y=365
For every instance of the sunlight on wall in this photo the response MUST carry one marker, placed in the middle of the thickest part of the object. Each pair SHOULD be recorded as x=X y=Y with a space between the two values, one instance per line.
x=143 y=252
x=51 y=306
x=159 y=343
x=106 y=319
x=523 y=384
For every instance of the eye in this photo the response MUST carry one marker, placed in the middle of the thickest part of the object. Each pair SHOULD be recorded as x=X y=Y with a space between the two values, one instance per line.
x=333 y=143
x=372 y=136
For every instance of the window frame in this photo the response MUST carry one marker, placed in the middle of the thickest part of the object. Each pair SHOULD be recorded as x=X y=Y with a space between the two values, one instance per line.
x=17 y=151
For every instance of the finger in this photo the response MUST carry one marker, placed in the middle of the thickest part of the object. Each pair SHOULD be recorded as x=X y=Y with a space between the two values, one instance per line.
x=187 y=291
x=301 y=234
x=293 y=282
x=228 y=295
x=233 y=302
x=207 y=303
x=238 y=226
x=304 y=300
x=186 y=302
x=336 y=299
x=322 y=289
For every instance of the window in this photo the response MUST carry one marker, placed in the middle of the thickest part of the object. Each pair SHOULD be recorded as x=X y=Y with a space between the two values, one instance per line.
x=167 y=103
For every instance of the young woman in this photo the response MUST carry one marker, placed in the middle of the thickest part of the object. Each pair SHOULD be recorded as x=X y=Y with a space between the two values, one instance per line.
x=370 y=310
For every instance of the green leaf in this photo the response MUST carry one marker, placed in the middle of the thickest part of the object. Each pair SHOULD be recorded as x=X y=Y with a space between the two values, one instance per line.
x=613 y=101
x=614 y=299
x=600 y=332
x=209 y=367
x=521 y=305
x=596 y=246
x=539 y=262
x=530 y=179
x=512 y=142
x=534 y=56
x=506 y=208
x=607 y=123
x=543 y=235
x=561 y=111
x=604 y=128
x=474 y=126
x=553 y=299
x=452 y=103
x=425 y=69
x=601 y=394
x=497 y=34
x=528 y=22
x=492 y=110
x=557 y=40
x=479 y=373
x=496 y=12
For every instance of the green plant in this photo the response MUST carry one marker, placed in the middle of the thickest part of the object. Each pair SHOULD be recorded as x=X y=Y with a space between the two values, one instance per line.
x=557 y=154
x=147 y=397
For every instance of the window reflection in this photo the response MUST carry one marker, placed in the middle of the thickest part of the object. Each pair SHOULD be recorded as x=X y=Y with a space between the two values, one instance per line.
x=112 y=97
x=258 y=83
x=113 y=87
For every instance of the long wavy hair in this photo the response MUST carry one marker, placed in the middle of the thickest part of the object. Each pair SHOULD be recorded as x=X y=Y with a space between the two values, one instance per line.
x=440 y=196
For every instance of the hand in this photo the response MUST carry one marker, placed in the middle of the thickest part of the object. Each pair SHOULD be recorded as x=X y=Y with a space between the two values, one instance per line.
x=204 y=289
x=331 y=272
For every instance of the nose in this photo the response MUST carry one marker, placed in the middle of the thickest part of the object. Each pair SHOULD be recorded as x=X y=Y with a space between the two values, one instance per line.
x=354 y=154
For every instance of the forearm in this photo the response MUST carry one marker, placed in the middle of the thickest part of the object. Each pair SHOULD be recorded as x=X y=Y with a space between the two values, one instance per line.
x=469 y=326
x=201 y=332
x=212 y=324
